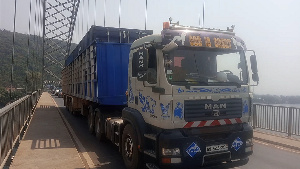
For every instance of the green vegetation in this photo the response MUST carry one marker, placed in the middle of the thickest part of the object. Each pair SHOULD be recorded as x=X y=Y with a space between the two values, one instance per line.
x=27 y=65
x=5 y=96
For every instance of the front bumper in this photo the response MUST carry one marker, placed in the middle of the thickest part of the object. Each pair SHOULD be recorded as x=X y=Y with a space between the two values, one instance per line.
x=193 y=147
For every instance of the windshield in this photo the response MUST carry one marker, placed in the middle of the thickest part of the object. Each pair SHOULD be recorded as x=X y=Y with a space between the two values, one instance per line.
x=206 y=67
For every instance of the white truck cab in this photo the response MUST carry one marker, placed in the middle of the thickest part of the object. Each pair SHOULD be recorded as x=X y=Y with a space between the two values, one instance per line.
x=191 y=87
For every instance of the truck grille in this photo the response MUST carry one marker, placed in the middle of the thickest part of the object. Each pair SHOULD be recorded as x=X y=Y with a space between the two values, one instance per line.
x=198 y=110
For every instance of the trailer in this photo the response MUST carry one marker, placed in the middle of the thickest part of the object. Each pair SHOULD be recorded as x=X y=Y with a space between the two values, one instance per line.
x=179 y=99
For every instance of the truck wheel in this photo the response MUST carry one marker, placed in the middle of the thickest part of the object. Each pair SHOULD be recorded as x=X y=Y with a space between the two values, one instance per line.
x=91 y=121
x=99 y=125
x=130 y=153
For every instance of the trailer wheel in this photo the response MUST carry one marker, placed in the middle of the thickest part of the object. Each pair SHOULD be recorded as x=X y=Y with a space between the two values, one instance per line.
x=99 y=125
x=91 y=121
x=130 y=153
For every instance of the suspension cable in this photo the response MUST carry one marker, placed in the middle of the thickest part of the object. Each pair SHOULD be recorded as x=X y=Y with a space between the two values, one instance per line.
x=88 y=18
x=35 y=46
x=43 y=43
x=104 y=12
x=13 y=53
x=82 y=18
x=120 y=14
x=28 y=51
x=146 y=14
x=95 y=14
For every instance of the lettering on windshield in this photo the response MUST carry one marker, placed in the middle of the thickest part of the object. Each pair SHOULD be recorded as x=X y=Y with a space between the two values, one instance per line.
x=207 y=42
x=195 y=41
x=222 y=43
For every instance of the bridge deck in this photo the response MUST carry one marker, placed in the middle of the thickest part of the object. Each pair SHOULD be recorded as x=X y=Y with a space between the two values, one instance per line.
x=47 y=143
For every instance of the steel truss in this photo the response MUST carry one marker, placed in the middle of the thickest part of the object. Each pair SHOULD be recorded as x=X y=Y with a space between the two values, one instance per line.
x=59 y=22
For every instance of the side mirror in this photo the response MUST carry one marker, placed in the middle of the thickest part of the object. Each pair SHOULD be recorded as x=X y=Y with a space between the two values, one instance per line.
x=254 y=68
x=253 y=63
x=170 y=47
x=255 y=77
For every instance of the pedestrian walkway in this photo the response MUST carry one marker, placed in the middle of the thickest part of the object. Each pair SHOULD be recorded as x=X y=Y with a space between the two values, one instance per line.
x=282 y=141
x=46 y=143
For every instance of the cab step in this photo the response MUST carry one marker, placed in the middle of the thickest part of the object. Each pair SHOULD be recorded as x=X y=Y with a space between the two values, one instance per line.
x=151 y=166
x=150 y=153
x=150 y=136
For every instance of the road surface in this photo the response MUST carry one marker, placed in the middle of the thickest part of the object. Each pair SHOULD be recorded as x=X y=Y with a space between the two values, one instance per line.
x=106 y=155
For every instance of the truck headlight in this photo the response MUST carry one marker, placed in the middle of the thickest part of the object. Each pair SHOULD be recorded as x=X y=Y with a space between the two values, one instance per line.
x=249 y=142
x=170 y=151
x=249 y=145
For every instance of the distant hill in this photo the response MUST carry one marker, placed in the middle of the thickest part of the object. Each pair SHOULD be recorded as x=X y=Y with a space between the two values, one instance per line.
x=274 y=99
x=22 y=60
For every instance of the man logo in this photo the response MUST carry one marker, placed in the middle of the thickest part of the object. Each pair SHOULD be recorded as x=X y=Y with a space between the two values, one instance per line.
x=215 y=106
x=216 y=113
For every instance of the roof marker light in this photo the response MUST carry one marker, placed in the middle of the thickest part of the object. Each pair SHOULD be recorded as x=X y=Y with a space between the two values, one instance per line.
x=166 y=25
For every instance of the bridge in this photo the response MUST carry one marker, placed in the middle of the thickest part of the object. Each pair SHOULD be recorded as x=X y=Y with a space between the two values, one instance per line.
x=38 y=132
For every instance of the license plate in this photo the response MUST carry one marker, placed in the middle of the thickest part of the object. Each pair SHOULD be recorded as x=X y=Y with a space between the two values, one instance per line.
x=216 y=148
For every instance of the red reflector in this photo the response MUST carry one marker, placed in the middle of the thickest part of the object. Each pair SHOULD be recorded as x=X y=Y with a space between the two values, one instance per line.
x=166 y=160
x=166 y=25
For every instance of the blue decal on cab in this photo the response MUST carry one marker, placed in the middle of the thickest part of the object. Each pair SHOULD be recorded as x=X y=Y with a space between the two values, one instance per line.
x=178 y=110
x=193 y=149
x=215 y=90
x=164 y=110
x=180 y=90
x=245 y=107
x=148 y=103
x=131 y=97
x=237 y=143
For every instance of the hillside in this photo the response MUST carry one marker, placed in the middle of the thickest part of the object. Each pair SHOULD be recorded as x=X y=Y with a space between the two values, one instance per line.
x=27 y=61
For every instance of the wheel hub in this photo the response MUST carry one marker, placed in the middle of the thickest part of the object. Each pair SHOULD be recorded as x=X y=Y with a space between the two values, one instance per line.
x=128 y=147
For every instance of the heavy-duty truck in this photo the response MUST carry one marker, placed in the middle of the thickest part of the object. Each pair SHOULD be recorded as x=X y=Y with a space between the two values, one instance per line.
x=179 y=99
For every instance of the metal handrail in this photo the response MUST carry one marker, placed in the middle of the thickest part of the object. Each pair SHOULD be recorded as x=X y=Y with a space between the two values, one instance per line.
x=277 y=118
x=13 y=119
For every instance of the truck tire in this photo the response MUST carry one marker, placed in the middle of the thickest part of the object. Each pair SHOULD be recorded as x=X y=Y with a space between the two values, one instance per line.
x=99 y=125
x=91 y=120
x=130 y=153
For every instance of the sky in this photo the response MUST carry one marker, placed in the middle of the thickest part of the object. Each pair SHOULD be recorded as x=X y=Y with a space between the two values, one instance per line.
x=270 y=27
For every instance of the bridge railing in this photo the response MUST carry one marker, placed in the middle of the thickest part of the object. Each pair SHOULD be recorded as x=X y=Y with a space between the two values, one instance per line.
x=13 y=119
x=277 y=118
